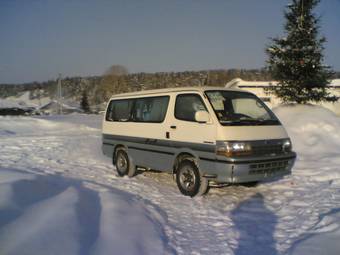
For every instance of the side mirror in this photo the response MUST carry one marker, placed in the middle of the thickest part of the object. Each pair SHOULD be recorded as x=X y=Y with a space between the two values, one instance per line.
x=202 y=116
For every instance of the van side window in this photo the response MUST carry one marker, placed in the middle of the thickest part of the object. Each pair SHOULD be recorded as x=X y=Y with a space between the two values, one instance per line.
x=146 y=109
x=119 y=110
x=187 y=105
x=150 y=109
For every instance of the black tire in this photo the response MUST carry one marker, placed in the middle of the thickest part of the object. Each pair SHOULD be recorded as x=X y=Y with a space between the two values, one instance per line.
x=122 y=162
x=189 y=181
x=132 y=169
x=250 y=184
x=129 y=169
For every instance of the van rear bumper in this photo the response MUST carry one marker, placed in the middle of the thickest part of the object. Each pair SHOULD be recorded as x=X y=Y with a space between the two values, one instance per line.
x=250 y=170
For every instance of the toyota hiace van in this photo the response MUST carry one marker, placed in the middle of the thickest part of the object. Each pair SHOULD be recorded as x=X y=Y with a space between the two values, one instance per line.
x=204 y=136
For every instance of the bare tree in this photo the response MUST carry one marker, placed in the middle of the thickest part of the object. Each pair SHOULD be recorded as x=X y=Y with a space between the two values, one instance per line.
x=116 y=70
x=113 y=81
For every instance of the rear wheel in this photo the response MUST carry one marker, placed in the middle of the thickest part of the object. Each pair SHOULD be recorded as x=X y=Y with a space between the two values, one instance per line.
x=124 y=164
x=189 y=181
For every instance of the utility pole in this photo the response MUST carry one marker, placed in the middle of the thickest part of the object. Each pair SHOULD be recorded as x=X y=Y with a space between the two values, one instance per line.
x=39 y=95
x=60 y=106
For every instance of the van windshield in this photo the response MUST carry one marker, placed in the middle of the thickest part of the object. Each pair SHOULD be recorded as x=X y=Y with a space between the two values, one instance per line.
x=235 y=108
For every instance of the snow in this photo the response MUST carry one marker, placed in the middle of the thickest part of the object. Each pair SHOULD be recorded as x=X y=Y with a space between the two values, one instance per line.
x=314 y=130
x=6 y=103
x=58 y=193
x=56 y=215
x=327 y=238
x=24 y=99
x=44 y=227
x=122 y=217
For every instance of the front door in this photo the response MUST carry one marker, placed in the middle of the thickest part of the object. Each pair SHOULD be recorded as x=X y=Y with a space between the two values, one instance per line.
x=184 y=130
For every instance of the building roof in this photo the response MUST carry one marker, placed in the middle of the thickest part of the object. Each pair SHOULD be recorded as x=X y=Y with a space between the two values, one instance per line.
x=53 y=104
x=239 y=83
x=11 y=103
x=335 y=82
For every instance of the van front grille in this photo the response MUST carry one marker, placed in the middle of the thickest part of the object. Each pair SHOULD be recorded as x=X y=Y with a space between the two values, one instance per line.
x=268 y=168
x=267 y=149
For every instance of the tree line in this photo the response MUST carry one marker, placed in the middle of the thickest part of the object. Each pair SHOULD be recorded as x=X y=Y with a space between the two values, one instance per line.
x=100 y=88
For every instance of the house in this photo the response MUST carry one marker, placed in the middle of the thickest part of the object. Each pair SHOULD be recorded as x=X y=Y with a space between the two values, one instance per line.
x=15 y=107
x=53 y=107
x=259 y=88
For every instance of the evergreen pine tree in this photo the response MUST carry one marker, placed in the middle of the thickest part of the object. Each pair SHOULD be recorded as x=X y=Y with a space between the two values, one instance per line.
x=295 y=60
x=84 y=103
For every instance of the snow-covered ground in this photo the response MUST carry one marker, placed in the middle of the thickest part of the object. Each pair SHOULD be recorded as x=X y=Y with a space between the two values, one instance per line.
x=60 y=195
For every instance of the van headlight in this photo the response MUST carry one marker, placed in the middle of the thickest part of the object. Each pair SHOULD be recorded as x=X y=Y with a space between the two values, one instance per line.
x=230 y=149
x=287 y=145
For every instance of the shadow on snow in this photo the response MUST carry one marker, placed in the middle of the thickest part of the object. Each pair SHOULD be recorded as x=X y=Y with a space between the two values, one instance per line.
x=255 y=225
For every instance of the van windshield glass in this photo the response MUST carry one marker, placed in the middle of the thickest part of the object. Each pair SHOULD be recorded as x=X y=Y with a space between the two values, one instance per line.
x=240 y=108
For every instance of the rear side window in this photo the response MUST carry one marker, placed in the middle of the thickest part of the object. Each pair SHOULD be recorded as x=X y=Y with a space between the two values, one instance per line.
x=148 y=109
x=119 y=110
x=187 y=105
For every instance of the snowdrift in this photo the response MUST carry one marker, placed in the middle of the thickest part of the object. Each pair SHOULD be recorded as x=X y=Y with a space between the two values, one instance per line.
x=314 y=130
x=54 y=215
x=25 y=126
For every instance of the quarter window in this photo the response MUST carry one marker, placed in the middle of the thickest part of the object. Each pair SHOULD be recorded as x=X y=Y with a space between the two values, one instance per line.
x=119 y=110
x=187 y=105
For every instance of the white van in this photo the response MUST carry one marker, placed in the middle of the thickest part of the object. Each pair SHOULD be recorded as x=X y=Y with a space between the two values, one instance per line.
x=204 y=135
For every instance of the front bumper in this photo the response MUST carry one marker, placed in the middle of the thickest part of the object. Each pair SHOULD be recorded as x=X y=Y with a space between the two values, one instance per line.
x=243 y=170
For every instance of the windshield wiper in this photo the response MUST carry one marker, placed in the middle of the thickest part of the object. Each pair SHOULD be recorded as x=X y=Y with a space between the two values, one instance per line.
x=249 y=121
x=270 y=122
x=241 y=122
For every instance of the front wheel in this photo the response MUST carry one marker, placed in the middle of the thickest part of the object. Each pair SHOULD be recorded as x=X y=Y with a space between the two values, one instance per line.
x=189 y=181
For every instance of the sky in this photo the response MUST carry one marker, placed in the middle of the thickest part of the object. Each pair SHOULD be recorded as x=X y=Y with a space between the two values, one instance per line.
x=41 y=38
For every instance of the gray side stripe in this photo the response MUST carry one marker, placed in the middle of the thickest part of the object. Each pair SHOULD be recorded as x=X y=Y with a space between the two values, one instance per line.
x=160 y=142
x=157 y=151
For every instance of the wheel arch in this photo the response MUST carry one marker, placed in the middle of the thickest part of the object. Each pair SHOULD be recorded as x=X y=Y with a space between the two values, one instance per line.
x=185 y=154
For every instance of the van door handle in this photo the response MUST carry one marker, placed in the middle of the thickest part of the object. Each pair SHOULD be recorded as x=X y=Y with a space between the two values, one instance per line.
x=173 y=127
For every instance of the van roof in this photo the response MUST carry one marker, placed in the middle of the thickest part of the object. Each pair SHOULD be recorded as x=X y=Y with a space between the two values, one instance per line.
x=177 y=89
